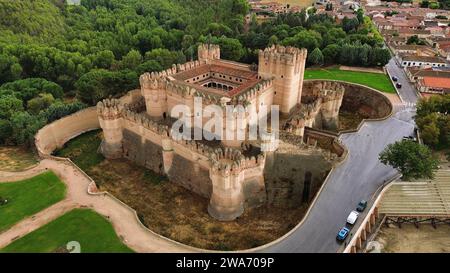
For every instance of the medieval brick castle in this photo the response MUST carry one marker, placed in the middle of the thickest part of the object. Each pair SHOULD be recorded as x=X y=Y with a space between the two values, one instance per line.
x=231 y=173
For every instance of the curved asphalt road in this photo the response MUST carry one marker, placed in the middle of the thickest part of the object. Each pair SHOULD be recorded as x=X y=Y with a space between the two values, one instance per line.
x=358 y=177
x=408 y=92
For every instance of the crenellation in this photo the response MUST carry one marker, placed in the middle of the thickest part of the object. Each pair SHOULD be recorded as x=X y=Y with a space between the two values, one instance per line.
x=219 y=173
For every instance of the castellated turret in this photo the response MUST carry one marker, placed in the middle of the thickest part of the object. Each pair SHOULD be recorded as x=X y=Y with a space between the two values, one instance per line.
x=208 y=52
x=332 y=94
x=110 y=117
x=286 y=65
x=322 y=112
x=154 y=92
x=227 y=175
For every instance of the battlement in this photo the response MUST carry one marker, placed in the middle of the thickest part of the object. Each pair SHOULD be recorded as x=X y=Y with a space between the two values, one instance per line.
x=253 y=92
x=109 y=109
x=285 y=55
x=142 y=120
x=328 y=91
x=208 y=52
x=184 y=90
x=226 y=161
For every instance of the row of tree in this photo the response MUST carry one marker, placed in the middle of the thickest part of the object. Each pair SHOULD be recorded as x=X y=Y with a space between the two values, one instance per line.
x=27 y=105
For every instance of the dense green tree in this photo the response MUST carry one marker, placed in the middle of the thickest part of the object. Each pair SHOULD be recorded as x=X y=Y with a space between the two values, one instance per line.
x=43 y=101
x=59 y=109
x=349 y=25
x=103 y=59
x=25 y=126
x=9 y=105
x=29 y=88
x=132 y=60
x=99 y=84
x=6 y=131
x=308 y=39
x=331 y=53
x=10 y=69
x=412 y=159
x=433 y=120
x=316 y=57
x=230 y=48
x=165 y=57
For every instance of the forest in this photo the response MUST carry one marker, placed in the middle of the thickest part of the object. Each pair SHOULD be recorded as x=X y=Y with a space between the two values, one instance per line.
x=56 y=59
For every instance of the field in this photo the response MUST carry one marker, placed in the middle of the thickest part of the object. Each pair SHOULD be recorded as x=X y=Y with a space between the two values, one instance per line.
x=301 y=3
x=409 y=239
x=377 y=81
x=13 y=158
x=93 y=232
x=179 y=214
x=28 y=197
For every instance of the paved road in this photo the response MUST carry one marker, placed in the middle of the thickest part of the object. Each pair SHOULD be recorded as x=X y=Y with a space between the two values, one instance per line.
x=357 y=178
x=407 y=92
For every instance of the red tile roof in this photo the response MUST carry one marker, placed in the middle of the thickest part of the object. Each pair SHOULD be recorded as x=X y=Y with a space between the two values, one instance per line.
x=437 y=82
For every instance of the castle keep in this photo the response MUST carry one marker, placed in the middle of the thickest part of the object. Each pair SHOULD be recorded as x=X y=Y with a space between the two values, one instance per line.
x=230 y=173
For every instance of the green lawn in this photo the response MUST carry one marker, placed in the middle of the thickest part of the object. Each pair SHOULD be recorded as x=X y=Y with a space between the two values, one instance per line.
x=28 y=197
x=82 y=150
x=377 y=81
x=93 y=232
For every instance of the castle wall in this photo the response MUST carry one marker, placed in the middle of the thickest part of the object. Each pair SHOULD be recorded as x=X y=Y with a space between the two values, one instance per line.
x=357 y=98
x=190 y=175
x=54 y=135
x=285 y=179
x=142 y=151
x=254 y=188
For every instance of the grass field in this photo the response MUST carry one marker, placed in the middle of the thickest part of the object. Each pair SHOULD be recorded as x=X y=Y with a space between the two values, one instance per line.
x=375 y=80
x=28 y=197
x=83 y=150
x=14 y=158
x=92 y=231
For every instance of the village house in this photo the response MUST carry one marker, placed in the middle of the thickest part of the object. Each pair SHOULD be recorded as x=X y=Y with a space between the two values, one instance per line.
x=407 y=60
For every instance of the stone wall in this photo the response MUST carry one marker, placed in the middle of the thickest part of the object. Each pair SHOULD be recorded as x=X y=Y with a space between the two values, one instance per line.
x=56 y=134
x=190 y=175
x=142 y=151
x=285 y=176
x=325 y=140
x=357 y=98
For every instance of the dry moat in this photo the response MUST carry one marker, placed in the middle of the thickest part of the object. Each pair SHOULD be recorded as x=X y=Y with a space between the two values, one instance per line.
x=179 y=214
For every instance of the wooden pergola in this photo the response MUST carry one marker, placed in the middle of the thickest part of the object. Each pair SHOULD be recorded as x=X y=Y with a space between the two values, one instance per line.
x=418 y=201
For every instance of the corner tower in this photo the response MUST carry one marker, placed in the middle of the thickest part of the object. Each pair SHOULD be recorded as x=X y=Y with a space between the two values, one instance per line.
x=286 y=65
x=208 y=52
x=110 y=117
x=153 y=90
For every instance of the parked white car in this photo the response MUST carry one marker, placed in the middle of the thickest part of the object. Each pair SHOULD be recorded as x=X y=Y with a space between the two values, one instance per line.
x=352 y=217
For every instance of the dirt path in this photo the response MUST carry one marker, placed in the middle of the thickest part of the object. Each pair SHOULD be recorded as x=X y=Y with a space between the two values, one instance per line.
x=410 y=239
x=36 y=221
x=122 y=218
